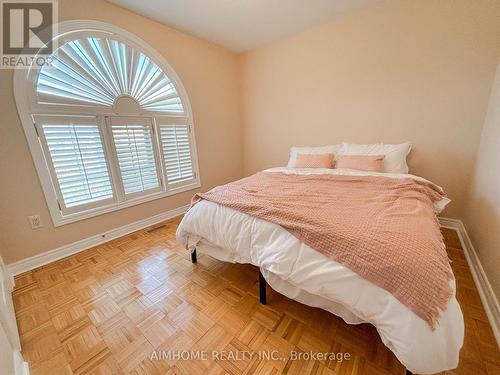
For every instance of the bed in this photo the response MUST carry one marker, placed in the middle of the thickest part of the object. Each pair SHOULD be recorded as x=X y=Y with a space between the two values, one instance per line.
x=293 y=268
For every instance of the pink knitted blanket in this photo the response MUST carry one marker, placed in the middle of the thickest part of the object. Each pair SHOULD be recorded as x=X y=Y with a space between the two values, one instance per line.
x=383 y=229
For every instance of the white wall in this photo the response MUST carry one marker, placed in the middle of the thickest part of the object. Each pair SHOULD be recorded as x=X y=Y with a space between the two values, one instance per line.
x=482 y=214
x=6 y=357
x=11 y=362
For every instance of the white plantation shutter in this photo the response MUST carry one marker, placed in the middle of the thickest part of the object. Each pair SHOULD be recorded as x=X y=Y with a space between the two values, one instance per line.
x=75 y=151
x=176 y=151
x=94 y=71
x=133 y=142
x=113 y=124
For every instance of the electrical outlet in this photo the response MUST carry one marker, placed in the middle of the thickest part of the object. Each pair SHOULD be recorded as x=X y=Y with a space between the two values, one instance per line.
x=35 y=221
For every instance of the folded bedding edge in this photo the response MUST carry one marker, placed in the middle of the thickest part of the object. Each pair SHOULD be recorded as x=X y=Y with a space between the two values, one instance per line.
x=277 y=283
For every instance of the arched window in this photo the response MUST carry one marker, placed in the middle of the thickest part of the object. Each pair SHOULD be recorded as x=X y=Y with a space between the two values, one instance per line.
x=108 y=123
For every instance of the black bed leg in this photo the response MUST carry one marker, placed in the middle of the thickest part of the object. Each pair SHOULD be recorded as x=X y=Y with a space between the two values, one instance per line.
x=262 y=289
x=194 y=259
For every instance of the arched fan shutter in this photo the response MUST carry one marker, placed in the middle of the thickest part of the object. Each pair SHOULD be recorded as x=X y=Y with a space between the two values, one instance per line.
x=95 y=71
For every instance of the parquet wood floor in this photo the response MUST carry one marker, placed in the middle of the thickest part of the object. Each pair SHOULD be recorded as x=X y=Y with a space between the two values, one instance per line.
x=105 y=311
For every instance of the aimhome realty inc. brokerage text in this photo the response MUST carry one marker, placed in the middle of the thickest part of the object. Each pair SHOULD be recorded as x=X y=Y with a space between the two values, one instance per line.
x=243 y=355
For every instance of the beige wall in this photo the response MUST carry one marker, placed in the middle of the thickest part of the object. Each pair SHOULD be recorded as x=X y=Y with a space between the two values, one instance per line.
x=482 y=214
x=210 y=76
x=403 y=70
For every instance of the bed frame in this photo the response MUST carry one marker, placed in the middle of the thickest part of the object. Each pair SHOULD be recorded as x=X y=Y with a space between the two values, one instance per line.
x=262 y=289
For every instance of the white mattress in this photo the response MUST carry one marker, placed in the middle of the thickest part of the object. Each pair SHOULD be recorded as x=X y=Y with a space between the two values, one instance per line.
x=299 y=272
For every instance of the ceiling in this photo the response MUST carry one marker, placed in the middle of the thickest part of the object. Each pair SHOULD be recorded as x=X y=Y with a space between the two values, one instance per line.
x=241 y=25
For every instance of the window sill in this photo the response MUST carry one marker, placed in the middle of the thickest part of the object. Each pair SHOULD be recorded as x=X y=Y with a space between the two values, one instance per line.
x=60 y=220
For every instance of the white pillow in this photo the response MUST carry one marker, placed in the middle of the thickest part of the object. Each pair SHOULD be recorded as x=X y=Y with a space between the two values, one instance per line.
x=294 y=151
x=395 y=155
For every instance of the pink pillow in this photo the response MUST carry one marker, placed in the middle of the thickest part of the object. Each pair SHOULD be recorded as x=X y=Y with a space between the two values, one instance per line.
x=370 y=163
x=314 y=161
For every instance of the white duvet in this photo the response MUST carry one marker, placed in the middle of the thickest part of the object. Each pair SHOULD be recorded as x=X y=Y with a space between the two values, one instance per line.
x=301 y=273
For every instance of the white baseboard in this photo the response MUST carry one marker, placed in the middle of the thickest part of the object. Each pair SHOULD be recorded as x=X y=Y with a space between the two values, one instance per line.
x=20 y=365
x=488 y=296
x=50 y=256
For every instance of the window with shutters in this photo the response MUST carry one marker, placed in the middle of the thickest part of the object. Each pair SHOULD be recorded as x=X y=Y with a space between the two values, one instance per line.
x=133 y=145
x=108 y=123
